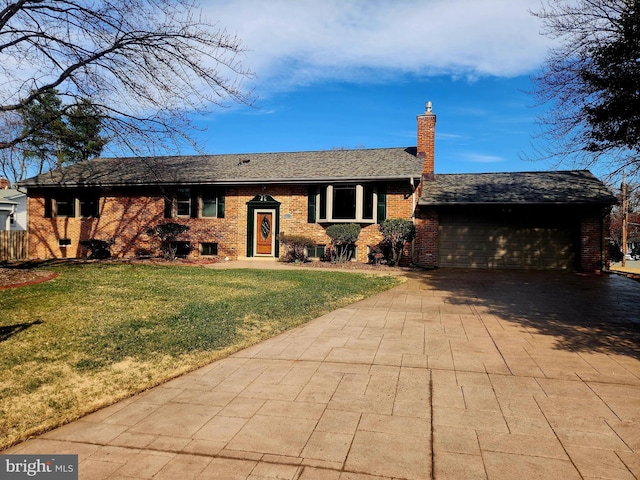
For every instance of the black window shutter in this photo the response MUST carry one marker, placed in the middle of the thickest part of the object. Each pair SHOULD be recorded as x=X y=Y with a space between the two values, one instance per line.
x=382 y=204
x=195 y=204
x=311 y=205
x=221 y=204
x=47 y=207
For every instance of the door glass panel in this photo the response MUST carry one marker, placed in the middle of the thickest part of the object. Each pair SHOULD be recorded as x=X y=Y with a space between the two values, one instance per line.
x=265 y=227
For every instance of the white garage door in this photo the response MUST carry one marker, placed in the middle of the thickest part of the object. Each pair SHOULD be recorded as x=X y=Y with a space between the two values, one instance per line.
x=470 y=242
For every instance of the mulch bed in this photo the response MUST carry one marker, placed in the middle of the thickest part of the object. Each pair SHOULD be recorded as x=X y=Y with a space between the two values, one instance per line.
x=22 y=277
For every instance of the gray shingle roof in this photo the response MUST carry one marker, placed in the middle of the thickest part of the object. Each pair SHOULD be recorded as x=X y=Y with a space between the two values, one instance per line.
x=8 y=194
x=290 y=167
x=572 y=186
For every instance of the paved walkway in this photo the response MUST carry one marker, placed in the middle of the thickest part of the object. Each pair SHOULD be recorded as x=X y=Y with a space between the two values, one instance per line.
x=453 y=375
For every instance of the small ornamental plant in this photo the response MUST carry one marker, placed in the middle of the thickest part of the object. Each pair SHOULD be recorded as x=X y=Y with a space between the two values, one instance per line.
x=168 y=234
x=396 y=233
x=343 y=241
x=98 y=249
x=296 y=247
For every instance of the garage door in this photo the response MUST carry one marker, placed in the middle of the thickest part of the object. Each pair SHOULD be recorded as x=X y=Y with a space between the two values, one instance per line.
x=484 y=239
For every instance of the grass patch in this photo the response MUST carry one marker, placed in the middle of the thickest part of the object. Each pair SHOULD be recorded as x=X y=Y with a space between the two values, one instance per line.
x=101 y=332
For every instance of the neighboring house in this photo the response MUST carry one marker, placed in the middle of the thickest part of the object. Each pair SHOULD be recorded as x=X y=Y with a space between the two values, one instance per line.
x=235 y=205
x=13 y=209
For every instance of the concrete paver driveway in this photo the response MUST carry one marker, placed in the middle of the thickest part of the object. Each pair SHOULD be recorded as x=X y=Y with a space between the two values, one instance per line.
x=453 y=375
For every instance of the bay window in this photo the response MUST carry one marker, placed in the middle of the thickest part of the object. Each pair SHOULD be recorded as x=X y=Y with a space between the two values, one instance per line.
x=347 y=203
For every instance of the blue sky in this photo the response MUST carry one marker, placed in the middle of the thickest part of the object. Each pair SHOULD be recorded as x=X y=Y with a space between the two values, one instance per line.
x=355 y=73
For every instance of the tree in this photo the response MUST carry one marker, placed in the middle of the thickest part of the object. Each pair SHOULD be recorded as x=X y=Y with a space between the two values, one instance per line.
x=56 y=135
x=82 y=140
x=396 y=232
x=146 y=65
x=591 y=81
x=13 y=164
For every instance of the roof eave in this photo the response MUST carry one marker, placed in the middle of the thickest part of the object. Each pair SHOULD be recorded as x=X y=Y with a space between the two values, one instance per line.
x=566 y=202
x=228 y=182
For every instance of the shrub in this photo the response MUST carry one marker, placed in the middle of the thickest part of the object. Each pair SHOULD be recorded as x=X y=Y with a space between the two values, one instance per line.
x=396 y=232
x=98 y=249
x=343 y=239
x=143 y=253
x=380 y=253
x=168 y=234
x=295 y=247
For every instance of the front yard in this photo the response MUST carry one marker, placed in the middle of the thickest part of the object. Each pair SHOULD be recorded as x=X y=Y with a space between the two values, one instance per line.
x=101 y=332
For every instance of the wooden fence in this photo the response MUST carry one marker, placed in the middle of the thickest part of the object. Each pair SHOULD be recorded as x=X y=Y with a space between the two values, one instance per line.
x=13 y=245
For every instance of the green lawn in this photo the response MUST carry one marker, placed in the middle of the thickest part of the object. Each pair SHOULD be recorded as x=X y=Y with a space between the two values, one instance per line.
x=100 y=332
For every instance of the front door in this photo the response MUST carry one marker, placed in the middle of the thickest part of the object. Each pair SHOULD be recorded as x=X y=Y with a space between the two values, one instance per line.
x=264 y=233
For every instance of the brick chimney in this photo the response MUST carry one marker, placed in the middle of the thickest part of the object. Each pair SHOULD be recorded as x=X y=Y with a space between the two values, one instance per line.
x=426 y=142
x=4 y=184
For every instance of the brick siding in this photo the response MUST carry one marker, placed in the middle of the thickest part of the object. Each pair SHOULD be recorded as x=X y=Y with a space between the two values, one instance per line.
x=426 y=242
x=125 y=219
x=593 y=251
x=426 y=142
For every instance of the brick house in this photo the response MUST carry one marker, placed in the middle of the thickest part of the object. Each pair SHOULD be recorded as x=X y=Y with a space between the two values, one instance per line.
x=235 y=205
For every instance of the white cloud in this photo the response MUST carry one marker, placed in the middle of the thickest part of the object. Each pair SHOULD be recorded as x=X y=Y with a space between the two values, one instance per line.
x=481 y=158
x=300 y=41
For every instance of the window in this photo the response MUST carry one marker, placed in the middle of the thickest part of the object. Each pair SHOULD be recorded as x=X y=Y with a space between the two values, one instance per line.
x=212 y=204
x=317 y=251
x=64 y=242
x=183 y=202
x=344 y=203
x=180 y=249
x=207 y=248
x=64 y=206
x=188 y=202
x=347 y=203
x=87 y=205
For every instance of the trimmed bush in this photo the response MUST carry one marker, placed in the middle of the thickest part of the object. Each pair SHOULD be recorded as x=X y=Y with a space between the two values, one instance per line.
x=379 y=254
x=98 y=249
x=168 y=234
x=296 y=247
x=343 y=241
x=396 y=232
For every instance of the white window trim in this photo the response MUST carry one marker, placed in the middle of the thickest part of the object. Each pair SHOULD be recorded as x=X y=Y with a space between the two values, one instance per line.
x=359 y=206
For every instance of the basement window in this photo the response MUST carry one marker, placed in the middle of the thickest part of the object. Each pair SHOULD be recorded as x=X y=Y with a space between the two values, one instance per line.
x=208 y=249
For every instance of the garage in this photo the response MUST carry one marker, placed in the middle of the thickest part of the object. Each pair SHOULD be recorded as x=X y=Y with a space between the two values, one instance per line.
x=507 y=237
x=516 y=220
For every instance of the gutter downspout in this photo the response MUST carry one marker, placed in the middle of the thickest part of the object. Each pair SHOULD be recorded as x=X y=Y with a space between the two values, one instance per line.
x=413 y=216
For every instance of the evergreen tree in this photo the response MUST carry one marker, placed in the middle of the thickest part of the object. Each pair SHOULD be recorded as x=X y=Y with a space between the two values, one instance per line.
x=56 y=135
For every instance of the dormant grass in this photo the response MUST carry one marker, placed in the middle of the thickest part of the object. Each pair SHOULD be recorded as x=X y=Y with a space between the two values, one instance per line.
x=99 y=333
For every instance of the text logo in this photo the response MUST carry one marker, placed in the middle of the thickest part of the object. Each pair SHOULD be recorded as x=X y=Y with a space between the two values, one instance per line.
x=49 y=467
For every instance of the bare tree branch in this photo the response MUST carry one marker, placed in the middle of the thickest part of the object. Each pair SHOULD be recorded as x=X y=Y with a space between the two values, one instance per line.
x=148 y=64
x=581 y=82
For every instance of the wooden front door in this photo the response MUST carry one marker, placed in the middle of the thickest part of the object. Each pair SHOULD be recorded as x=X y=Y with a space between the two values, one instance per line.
x=264 y=233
